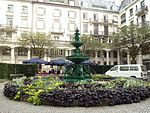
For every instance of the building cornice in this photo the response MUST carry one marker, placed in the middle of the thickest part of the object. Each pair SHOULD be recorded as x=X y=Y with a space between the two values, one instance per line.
x=99 y=10
x=126 y=7
x=55 y=4
x=27 y=1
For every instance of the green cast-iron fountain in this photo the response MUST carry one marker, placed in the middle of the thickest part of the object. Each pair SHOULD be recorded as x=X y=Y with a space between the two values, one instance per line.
x=77 y=71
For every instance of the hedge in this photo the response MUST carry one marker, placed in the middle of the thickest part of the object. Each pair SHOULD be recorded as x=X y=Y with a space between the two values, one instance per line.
x=100 y=69
x=7 y=69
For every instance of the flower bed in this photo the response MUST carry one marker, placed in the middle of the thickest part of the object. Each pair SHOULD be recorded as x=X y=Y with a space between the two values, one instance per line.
x=49 y=91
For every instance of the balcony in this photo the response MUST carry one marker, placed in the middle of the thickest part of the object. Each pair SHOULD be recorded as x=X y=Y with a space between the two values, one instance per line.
x=94 y=21
x=108 y=21
x=141 y=10
x=57 y=30
x=102 y=33
x=8 y=26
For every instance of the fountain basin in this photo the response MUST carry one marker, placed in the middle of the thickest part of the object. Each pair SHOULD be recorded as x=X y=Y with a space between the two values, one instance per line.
x=77 y=44
x=77 y=59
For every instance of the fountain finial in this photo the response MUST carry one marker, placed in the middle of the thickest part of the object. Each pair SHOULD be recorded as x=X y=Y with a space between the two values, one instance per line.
x=77 y=37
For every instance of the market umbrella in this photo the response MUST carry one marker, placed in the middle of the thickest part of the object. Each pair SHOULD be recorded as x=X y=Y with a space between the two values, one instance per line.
x=88 y=62
x=35 y=60
x=59 y=62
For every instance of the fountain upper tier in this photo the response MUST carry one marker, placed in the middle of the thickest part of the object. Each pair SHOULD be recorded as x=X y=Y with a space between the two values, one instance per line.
x=76 y=56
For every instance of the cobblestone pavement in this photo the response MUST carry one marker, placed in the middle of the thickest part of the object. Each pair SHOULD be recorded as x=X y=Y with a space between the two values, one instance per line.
x=10 y=106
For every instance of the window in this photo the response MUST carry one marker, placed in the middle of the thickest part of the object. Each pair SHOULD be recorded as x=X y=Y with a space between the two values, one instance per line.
x=71 y=14
x=6 y=51
x=115 y=68
x=105 y=30
x=115 y=19
x=10 y=8
x=134 y=68
x=143 y=19
x=115 y=63
x=131 y=12
x=56 y=52
x=115 y=54
x=22 y=52
x=124 y=68
x=56 y=37
x=85 y=15
x=40 y=24
x=96 y=17
x=41 y=11
x=9 y=21
x=85 y=27
x=123 y=18
x=34 y=51
x=105 y=18
x=24 y=22
x=136 y=7
x=57 y=12
x=137 y=20
x=56 y=26
x=95 y=29
x=72 y=27
x=143 y=68
x=24 y=9
x=132 y=22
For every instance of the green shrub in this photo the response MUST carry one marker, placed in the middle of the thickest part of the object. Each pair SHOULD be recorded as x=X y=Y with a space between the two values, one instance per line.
x=7 y=69
x=99 y=77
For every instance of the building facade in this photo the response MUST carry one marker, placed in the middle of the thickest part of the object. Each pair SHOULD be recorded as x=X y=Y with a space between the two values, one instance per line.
x=59 y=18
x=137 y=12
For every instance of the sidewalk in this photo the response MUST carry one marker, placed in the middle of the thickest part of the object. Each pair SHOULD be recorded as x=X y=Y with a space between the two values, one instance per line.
x=10 y=106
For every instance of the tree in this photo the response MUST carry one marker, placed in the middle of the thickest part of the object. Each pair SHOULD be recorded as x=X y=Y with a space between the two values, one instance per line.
x=5 y=33
x=36 y=41
x=90 y=44
x=131 y=38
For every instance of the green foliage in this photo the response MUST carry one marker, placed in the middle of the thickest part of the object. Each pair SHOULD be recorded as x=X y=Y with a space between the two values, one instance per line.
x=118 y=82
x=37 y=42
x=132 y=38
x=100 y=69
x=34 y=96
x=7 y=69
x=38 y=85
x=51 y=91
x=98 y=77
x=4 y=70
x=90 y=44
x=134 y=83
x=17 y=96
x=125 y=83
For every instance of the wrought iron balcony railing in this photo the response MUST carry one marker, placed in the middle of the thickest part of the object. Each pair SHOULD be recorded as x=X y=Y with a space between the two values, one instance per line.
x=141 y=10
x=57 y=30
x=102 y=33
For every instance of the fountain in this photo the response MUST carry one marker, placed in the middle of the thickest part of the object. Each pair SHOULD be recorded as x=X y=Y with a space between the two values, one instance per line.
x=77 y=71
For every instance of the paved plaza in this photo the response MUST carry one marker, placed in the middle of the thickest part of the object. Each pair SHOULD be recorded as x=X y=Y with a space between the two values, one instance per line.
x=10 y=106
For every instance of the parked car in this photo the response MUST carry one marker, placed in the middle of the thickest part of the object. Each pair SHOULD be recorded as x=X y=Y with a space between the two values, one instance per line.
x=129 y=70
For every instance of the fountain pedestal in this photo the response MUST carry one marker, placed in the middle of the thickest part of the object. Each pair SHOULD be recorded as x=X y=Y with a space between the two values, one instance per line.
x=77 y=71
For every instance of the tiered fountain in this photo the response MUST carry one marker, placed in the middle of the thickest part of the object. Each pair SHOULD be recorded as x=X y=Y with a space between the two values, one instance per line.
x=77 y=71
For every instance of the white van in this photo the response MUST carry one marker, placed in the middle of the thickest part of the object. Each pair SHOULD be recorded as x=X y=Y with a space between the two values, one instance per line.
x=129 y=70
